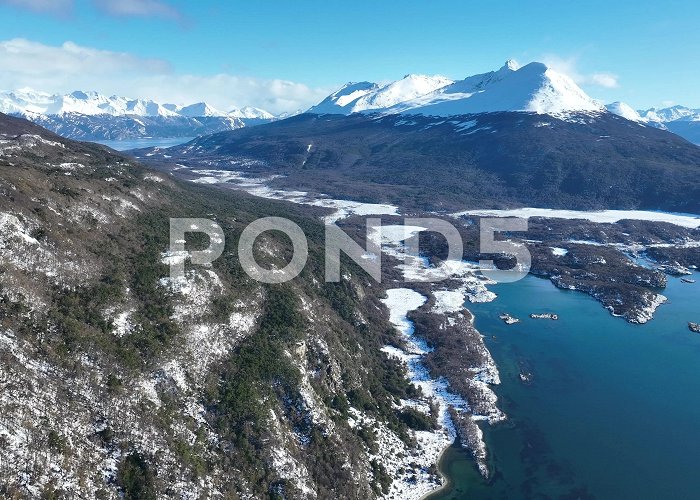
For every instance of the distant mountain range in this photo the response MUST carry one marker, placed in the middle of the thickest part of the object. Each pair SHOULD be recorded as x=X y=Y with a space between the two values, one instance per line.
x=94 y=116
x=678 y=119
x=534 y=88
x=28 y=101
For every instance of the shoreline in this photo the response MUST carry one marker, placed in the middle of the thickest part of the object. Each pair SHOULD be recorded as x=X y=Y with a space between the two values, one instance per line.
x=446 y=480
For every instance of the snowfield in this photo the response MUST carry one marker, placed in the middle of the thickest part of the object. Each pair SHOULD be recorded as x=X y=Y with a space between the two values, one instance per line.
x=30 y=102
x=603 y=216
x=257 y=186
x=533 y=88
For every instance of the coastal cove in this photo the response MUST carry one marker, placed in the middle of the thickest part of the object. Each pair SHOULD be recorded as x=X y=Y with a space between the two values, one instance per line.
x=610 y=409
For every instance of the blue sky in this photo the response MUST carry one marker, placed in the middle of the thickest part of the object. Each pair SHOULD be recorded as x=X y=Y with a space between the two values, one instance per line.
x=284 y=54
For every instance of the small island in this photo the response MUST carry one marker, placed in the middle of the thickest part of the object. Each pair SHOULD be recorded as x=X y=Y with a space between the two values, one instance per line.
x=694 y=327
x=551 y=316
x=508 y=319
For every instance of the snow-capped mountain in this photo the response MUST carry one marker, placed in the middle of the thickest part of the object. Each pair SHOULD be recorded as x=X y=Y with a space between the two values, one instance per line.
x=368 y=96
x=625 y=111
x=671 y=114
x=199 y=109
x=655 y=116
x=680 y=120
x=28 y=101
x=532 y=88
x=251 y=113
x=89 y=115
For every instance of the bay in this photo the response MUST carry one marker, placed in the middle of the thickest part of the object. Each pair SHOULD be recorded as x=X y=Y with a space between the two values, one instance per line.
x=612 y=409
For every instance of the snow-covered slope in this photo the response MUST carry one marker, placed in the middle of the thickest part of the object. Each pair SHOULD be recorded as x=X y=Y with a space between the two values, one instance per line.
x=406 y=89
x=672 y=114
x=367 y=96
x=25 y=100
x=340 y=101
x=199 y=109
x=680 y=120
x=533 y=88
x=94 y=117
x=30 y=102
x=625 y=111
x=251 y=113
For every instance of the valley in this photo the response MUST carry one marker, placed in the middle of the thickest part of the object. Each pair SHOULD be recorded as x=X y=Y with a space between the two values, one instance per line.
x=499 y=281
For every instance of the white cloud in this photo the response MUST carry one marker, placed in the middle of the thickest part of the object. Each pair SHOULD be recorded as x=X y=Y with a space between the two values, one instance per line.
x=25 y=59
x=50 y=6
x=120 y=8
x=604 y=80
x=69 y=67
x=142 y=8
x=569 y=66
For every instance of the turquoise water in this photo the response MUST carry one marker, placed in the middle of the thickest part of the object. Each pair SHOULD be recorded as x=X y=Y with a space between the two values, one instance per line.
x=613 y=409
x=150 y=142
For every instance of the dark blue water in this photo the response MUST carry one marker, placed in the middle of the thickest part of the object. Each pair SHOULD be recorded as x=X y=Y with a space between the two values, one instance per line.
x=613 y=409
x=150 y=142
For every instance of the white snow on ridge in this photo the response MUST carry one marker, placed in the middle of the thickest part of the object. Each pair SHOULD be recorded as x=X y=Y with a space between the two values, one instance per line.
x=625 y=111
x=409 y=87
x=338 y=101
x=532 y=88
x=199 y=109
x=30 y=102
x=604 y=216
x=368 y=96
x=249 y=112
x=672 y=114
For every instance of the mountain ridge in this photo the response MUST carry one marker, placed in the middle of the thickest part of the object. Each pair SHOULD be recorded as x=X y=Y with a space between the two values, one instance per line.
x=31 y=102
x=534 y=87
x=119 y=381
x=488 y=160
x=89 y=115
x=680 y=120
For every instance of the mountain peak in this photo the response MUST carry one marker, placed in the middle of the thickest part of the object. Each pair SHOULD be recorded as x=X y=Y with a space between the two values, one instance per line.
x=534 y=88
x=79 y=94
x=251 y=113
x=198 y=109
x=624 y=110
x=511 y=65
x=531 y=88
x=367 y=96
